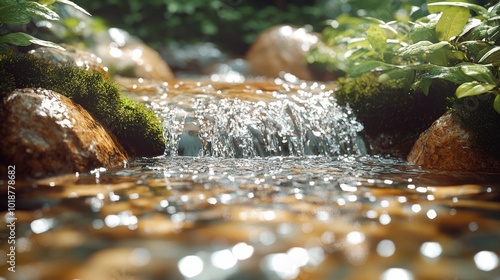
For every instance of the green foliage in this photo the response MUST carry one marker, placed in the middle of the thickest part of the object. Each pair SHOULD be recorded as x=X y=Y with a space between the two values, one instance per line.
x=232 y=24
x=20 y=12
x=388 y=106
x=448 y=56
x=136 y=128
x=457 y=42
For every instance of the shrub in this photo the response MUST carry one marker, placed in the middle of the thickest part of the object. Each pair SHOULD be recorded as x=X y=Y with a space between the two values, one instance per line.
x=136 y=128
x=454 y=47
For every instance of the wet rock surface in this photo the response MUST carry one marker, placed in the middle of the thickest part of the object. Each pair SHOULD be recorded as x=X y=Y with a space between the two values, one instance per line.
x=45 y=133
x=282 y=48
x=448 y=146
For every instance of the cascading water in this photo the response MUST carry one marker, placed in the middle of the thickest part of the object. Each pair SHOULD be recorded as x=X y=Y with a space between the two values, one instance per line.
x=293 y=119
x=287 y=215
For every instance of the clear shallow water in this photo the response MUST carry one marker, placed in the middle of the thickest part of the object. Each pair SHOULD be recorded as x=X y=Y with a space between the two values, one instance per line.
x=331 y=216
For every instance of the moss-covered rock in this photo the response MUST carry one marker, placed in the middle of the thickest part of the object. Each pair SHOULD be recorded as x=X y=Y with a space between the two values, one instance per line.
x=476 y=113
x=390 y=111
x=136 y=128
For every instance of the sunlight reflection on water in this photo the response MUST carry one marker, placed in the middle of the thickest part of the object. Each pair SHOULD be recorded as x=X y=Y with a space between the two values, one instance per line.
x=336 y=215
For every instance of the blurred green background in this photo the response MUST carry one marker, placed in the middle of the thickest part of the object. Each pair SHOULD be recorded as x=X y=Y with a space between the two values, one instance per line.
x=233 y=24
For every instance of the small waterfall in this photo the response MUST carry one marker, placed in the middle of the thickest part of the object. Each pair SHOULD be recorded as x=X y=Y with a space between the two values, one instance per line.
x=255 y=119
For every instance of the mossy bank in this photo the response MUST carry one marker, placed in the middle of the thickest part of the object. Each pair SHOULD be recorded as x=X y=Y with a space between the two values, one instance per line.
x=391 y=109
x=137 y=129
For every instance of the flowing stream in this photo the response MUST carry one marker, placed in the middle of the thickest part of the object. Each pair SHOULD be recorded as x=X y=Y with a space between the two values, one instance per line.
x=260 y=180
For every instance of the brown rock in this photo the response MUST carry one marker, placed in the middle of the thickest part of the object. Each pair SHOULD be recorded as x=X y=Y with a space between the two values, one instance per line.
x=44 y=133
x=448 y=146
x=282 y=48
x=129 y=56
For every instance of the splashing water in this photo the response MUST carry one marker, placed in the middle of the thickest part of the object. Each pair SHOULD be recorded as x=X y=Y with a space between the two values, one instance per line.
x=338 y=215
x=232 y=120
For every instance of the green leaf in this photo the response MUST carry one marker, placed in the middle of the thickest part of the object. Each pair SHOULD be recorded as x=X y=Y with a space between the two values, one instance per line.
x=70 y=3
x=474 y=49
x=405 y=74
x=478 y=72
x=23 y=39
x=496 y=104
x=35 y=9
x=424 y=32
x=424 y=85
x=452 y=74
x=46 y=2
x=16 y=39
x=420 y=48
x=452 y=22
x=492 y=56
x=377 y=38
x=473 y=88
x=437 y=7
x=425 y=51
x=44 y=43
x=462 y=73
x=13 y=13
x=368 y=66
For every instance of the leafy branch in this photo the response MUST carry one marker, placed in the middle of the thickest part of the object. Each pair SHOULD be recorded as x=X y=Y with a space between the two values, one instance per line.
x=457 y=42
x=20 y=12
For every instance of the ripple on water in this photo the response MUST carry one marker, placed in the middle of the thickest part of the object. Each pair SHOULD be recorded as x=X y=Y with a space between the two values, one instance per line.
x=334 y=216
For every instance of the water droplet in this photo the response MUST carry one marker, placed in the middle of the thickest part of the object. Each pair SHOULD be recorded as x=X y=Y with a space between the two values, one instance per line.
x=223 y=259
x=41 y=225
x=431 y=249
x=190 y=266
x=385 y=219
x=486 y=260
x=355 y=237
x=396 y=274
x=416 y=208
x=242 y=251
x=386 y=248
x=431 y=214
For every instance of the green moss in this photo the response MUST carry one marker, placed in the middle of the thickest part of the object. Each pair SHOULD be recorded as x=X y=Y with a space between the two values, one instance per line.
x=476 y=113
x=135 y=127
x=139 y=123
x=391 y=107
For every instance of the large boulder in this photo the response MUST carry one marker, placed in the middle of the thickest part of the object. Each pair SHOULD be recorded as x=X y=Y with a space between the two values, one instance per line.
x=446 y=145
x=129 y=56
x=44 y=133
x=121 y=52
x=282 y=49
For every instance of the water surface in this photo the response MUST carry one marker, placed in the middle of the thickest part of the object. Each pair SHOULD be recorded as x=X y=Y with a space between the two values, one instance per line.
x=271 y=192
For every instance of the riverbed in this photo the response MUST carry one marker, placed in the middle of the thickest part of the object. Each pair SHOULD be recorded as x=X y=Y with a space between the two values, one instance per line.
x=277 y=196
